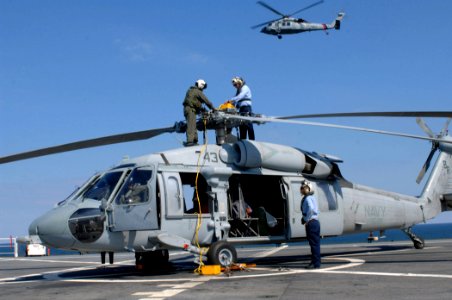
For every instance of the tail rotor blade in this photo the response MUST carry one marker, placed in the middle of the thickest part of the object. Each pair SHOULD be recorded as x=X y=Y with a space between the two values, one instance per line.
x=424 y=127
x=445 y=129
x=425 y=166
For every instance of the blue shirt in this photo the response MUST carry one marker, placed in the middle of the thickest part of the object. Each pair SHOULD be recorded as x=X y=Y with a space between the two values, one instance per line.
x=310 y=208
x=244 y=95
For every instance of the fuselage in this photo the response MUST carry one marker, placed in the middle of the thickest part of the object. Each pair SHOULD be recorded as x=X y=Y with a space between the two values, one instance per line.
x=292 y=26
x=157 y=201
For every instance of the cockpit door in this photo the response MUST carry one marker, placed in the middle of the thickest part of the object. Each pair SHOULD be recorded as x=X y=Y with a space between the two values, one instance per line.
x=135 y=206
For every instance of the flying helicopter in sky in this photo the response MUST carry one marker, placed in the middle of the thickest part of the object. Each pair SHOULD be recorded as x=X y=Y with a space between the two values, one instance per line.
x=286 y=24
x=191 y=198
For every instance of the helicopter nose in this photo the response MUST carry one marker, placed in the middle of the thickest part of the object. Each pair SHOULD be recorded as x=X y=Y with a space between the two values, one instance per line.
x=52 y=227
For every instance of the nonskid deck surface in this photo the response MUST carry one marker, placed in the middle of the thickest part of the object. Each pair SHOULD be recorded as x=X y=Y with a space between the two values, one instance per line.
x=356 y=271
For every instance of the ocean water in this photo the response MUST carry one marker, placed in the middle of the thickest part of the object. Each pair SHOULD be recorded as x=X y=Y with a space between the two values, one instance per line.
x=425 y=231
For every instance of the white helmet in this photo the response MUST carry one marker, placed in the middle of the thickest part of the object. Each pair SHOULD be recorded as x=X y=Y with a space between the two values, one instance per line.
x=238 y=80
x=201 y=84
x=309 y=185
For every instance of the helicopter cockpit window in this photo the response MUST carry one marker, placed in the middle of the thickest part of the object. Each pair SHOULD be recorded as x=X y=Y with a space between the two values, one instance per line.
x=79 y=190
x=135 y=189
x=103 y=187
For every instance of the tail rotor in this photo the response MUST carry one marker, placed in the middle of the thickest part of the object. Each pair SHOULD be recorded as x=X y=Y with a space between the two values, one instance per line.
x=435 y=144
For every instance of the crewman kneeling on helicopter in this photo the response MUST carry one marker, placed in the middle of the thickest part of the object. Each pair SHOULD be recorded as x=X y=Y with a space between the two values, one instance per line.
x=193 y=105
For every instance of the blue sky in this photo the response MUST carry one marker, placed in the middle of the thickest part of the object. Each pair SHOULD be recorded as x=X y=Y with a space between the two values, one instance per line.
x=72 y=70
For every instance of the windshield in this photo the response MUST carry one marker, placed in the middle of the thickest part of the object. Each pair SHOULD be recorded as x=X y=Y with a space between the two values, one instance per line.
x=78 y=190
x=103 y=187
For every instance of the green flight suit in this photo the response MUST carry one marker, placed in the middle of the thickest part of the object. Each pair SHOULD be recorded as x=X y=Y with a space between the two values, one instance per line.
x=194 y=99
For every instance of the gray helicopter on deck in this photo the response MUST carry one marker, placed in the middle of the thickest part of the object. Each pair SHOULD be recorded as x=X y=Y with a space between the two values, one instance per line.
x=187 y=198
x=286 y=24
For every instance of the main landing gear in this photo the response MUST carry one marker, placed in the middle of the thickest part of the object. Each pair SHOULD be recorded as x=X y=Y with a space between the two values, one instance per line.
x=417 y=241
x=222 y=253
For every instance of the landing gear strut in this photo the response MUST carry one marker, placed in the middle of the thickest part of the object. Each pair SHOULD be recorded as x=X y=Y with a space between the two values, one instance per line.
x=417 y=241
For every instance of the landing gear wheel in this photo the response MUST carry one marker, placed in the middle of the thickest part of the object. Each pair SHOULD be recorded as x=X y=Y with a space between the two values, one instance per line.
x=419 y=243
x=279 y=36
x=222 y=253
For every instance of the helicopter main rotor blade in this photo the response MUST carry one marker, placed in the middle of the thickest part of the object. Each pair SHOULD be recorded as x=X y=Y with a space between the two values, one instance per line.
x=426 y=165
x=102 y=141
x=431 y=114
x=328 y=125
x=264 y=23
x=271 y=8
x=306 y=8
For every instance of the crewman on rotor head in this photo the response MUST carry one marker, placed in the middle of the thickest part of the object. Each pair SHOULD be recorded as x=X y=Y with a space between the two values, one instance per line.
x=242 y=101
x=193 y=105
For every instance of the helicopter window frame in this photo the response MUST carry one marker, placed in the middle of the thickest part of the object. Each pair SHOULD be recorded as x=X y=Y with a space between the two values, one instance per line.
x=105 y=192
x=326 y=192
x=135 y=190
x=79 y=190
x=188 y=182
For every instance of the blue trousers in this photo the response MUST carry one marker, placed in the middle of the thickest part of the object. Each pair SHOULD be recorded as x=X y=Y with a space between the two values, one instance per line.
x=246 y=128
x=313 y=236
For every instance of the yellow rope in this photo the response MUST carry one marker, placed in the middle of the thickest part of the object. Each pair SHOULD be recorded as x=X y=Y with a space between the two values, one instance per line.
x=199 y=221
